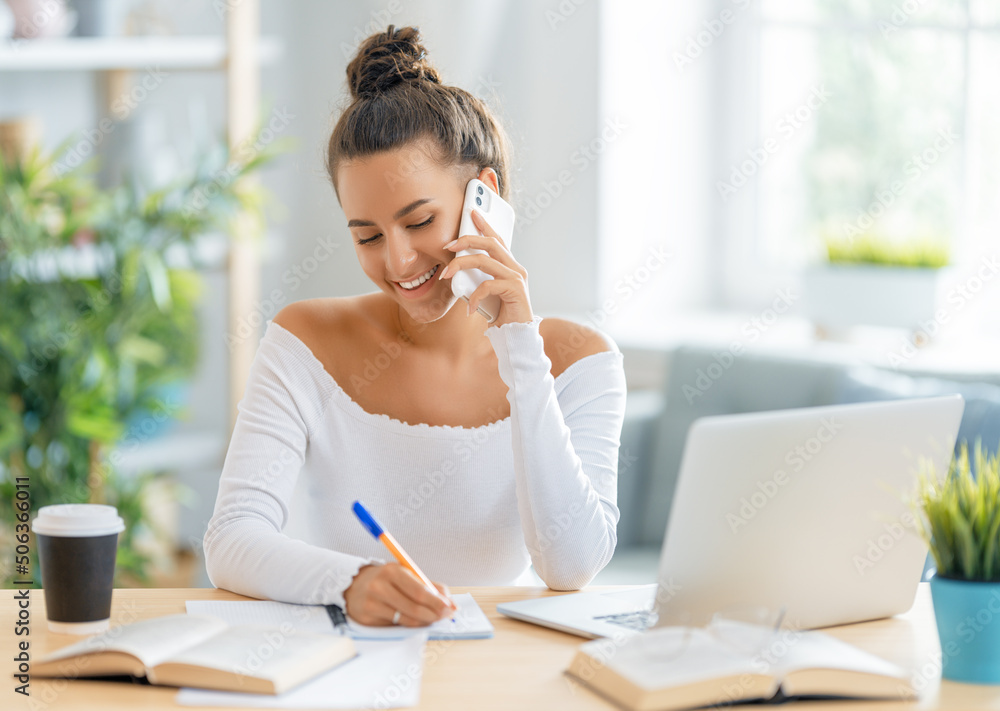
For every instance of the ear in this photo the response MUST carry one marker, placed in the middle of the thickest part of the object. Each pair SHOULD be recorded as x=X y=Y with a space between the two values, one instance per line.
x=489 y=176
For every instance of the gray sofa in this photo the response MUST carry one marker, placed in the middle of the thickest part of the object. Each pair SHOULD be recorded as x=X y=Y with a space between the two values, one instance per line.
x=703 y=381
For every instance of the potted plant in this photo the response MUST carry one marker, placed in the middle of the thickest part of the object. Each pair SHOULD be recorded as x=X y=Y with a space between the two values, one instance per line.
x=97 y=324
x=960 y=522
x=872 y=280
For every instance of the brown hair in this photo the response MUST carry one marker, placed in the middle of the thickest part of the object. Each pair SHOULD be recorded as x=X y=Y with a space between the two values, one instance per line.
x=398 y=98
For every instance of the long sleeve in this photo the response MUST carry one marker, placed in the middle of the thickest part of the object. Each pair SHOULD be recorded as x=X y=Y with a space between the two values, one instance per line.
x=565 y=451
x=245 y=549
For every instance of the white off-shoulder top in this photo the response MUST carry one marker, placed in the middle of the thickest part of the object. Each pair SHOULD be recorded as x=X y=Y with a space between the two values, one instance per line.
x=472 y=506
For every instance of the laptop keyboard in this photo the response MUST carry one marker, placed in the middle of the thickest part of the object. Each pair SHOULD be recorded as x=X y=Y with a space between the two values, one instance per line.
x=639 y=620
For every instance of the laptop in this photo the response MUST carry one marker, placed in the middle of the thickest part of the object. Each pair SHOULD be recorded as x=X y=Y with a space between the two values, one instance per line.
x=803 y=511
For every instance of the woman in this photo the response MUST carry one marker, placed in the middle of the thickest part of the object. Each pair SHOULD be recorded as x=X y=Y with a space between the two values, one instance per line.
x=482 y=448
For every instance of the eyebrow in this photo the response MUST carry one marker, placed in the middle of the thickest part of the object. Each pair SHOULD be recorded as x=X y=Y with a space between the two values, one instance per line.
x=405 y=211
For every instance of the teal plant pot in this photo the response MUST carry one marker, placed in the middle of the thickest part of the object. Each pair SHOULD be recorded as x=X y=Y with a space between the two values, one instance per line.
x=968 y=623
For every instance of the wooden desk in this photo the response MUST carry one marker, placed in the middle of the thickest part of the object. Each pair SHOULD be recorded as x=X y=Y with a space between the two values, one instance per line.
x=520 y=668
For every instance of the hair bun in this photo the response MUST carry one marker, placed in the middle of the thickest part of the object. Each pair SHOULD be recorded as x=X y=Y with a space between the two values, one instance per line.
x=387 y=59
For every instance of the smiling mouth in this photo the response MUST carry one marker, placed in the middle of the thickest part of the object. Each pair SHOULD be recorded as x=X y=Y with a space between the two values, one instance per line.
x=410 y=285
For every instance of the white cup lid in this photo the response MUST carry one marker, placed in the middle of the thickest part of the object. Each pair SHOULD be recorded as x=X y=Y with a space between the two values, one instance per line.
x=77 y=520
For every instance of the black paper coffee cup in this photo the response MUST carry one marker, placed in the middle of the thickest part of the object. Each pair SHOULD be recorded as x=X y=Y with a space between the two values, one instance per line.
x=77 y=544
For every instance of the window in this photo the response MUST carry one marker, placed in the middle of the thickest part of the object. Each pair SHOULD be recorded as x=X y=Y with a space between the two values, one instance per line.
x=753 y=128
x=858 y=116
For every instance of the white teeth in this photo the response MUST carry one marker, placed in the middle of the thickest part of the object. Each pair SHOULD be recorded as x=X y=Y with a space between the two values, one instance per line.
x=414 y=284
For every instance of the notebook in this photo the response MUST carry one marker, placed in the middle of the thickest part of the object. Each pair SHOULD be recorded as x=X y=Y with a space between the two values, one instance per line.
x=470 y=622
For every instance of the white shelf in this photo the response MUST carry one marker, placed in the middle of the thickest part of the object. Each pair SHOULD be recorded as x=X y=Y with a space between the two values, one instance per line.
x=178 y=451
x=110 y=53
x=210 y=251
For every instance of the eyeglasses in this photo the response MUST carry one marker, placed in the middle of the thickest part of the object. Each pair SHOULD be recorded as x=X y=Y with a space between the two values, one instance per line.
x=744 y=630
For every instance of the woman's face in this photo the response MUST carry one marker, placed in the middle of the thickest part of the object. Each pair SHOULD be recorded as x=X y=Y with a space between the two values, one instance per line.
x=402 y=208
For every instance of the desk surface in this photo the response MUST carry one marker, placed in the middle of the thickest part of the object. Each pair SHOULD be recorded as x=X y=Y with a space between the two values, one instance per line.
x=520 y=668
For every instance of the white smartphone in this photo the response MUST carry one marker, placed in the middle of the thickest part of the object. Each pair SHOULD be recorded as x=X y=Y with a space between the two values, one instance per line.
x=500 y=216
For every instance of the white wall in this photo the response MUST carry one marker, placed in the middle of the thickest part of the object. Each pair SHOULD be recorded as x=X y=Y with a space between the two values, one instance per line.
x=656 y=224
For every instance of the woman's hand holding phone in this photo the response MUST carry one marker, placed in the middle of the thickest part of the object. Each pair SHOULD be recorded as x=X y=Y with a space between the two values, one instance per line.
x=510 y=279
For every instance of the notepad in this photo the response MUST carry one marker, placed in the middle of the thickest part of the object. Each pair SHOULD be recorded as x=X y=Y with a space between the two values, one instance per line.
x=470 y=622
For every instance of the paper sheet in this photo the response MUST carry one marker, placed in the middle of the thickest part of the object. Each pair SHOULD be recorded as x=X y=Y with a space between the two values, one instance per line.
x=385 y=674
x=470 y=621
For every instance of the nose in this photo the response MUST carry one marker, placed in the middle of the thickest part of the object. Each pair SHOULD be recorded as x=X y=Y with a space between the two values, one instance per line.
x=399 y=254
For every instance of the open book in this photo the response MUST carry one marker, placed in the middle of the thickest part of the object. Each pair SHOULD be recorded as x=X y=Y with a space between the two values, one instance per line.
x=202 y=651
x=678 y=668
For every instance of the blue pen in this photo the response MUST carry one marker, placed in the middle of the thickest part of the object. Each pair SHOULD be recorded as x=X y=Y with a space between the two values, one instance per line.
x=369 y=522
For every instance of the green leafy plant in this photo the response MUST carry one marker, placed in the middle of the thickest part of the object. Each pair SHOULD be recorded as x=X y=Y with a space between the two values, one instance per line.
x=960 y=518
x=97 y=321
x=881 y=251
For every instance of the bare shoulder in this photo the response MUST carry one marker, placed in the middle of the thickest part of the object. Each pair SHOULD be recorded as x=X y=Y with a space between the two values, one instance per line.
x=566 y=342
x=303 y=318
x=319 y=323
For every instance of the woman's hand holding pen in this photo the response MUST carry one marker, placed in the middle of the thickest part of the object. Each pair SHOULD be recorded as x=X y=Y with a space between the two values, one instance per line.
x=378 y=592
x=510 y=279
x=395 y=593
